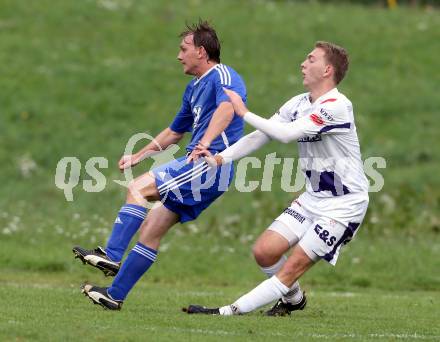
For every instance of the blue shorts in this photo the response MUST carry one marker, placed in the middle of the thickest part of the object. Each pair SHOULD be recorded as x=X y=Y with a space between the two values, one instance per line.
x=188 y=189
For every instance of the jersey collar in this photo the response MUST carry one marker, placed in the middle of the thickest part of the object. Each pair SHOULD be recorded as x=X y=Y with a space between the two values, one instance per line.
x=330 y=93
x=206 y=73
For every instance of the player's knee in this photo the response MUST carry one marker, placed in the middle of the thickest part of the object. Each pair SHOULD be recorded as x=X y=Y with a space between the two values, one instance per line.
x=264 y=255
x=258 y=253
x=140 y=189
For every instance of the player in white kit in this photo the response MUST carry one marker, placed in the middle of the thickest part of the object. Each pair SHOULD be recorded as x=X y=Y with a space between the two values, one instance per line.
x=328 y=214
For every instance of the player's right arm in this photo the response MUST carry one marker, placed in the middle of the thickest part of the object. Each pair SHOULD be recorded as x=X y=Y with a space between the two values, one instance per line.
x=160 y=143
x=171 y=135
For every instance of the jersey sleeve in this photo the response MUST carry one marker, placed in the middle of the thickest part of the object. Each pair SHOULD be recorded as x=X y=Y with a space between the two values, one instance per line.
x=287 y=112
x=329 y=118
x=184 y=118
x=325 y=119
x=228 y=80
x=246 y=145
x=282 y=114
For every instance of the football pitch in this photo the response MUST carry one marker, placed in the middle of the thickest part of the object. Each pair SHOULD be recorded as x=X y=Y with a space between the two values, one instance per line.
x=49 y=308
x=79 y=78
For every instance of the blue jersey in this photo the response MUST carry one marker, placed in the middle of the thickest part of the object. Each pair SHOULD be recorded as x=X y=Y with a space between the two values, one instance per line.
x=201 y=98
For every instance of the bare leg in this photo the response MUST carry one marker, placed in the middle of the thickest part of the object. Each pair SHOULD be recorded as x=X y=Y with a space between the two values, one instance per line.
x=297 y=263
x=159 y=220
x=141 y=189
x=269 y=248
x=269 y=252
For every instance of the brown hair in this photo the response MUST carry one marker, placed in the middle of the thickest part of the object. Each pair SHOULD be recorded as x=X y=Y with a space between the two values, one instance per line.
x=337 y=56
x=204 y=35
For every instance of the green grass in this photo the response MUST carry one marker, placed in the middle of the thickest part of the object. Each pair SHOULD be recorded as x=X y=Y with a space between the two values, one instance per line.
x=382 y=288
x=55 y=311
x=80 y=77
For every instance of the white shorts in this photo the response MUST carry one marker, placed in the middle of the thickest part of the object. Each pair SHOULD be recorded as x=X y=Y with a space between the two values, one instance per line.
x=321 y=229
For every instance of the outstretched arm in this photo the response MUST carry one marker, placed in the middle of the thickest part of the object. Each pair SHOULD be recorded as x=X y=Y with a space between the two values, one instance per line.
x=246 y=145
x=284 y=132
x=160 y=143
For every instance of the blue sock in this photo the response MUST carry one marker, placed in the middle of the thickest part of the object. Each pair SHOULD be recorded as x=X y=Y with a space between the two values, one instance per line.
x=127 y=223
x=137 y=263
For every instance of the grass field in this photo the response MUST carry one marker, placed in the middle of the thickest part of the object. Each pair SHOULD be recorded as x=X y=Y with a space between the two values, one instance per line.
x=80 y=77
x=155 y=315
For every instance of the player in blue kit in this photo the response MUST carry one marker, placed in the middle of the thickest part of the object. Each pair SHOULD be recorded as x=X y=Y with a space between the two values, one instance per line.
x=185 y=186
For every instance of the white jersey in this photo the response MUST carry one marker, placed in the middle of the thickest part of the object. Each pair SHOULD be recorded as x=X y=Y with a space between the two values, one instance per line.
x=330 y=158
x=329 y=154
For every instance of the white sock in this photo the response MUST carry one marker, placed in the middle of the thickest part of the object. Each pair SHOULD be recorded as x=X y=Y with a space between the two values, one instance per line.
x=295 y=294
x=265 y=293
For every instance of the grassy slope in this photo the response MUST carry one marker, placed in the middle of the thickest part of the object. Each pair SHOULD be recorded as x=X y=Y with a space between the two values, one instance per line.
x=78 y=79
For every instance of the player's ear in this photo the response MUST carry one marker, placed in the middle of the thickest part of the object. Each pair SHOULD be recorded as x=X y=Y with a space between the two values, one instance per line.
x=328 y=71
x=202 y=53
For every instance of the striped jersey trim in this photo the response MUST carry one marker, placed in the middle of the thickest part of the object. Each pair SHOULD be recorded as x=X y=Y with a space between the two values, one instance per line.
x=225 y=75
x=330 y=127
